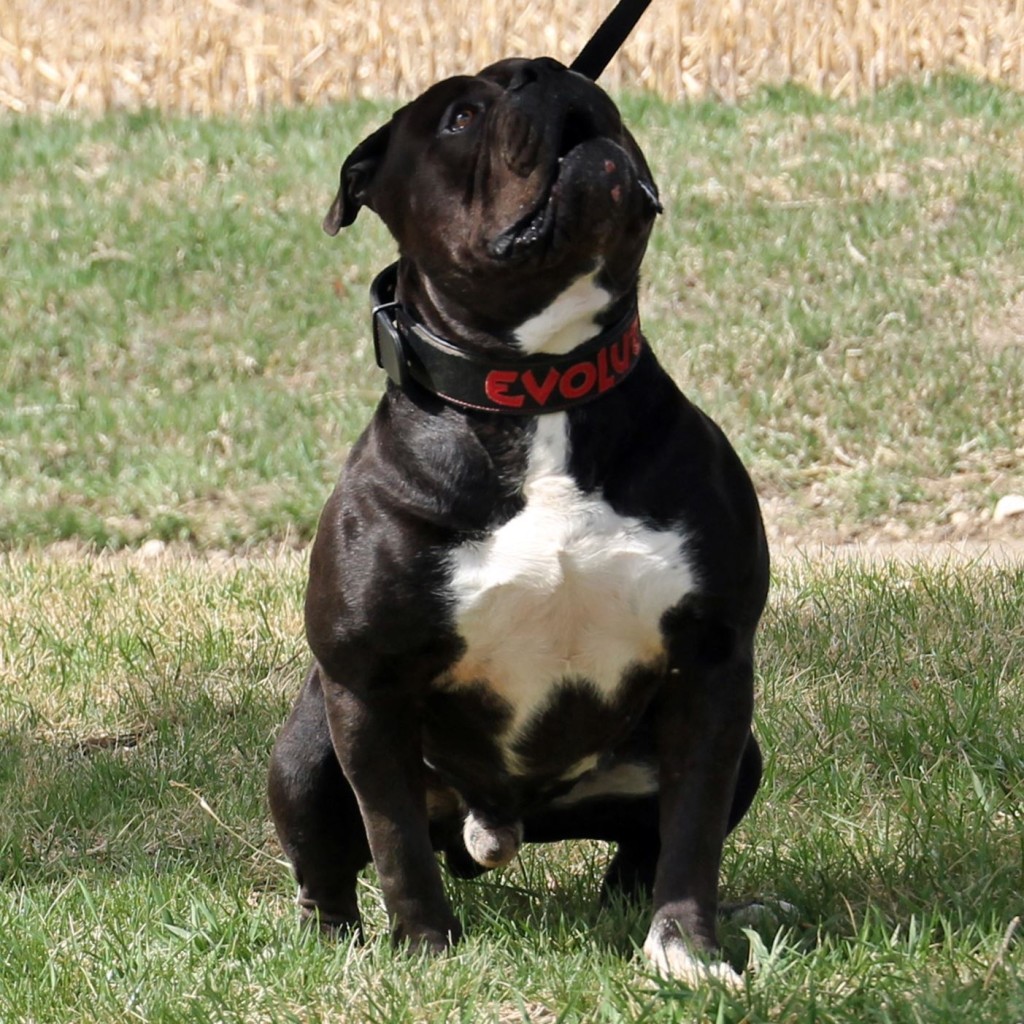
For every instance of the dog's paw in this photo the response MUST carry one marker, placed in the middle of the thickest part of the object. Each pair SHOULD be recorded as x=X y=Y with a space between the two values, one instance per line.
x=491 y=846
x=339 y=922
x=766 y=914
x=424 y=939
x=672 y=958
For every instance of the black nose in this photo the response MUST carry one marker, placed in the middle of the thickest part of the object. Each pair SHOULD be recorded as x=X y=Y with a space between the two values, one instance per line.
x=523 y=77
x=532 y=71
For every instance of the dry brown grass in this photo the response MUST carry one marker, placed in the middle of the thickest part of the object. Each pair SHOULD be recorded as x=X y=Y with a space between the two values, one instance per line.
x=212 y=56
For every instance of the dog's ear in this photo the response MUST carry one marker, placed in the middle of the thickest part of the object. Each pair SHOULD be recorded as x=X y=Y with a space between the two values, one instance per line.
x=357 y=173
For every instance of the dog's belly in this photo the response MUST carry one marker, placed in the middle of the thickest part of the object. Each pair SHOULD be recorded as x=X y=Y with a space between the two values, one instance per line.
x=560 y=612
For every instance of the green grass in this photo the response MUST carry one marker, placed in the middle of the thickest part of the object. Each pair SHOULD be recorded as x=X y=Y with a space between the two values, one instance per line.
x=184 y=355
x=891 y=703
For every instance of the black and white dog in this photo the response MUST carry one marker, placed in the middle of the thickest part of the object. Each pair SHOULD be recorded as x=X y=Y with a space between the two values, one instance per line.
x=533 y=594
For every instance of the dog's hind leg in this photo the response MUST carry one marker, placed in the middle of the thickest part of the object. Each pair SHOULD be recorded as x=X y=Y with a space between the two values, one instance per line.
x=747 y=781
x=316 y=815
x=633 y=867
x=631 y=872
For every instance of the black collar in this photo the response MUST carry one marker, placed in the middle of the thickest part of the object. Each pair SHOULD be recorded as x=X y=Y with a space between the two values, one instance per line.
x=527 y=385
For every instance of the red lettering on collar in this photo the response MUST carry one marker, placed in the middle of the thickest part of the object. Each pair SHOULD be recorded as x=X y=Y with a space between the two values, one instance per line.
x=621 y=353
x=510 y=388
x=605 y=379
x=540 y=393
x=496 y=385
x=577 y=381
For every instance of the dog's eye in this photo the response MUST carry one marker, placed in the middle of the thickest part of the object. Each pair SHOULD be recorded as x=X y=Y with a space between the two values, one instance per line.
x=459 y=117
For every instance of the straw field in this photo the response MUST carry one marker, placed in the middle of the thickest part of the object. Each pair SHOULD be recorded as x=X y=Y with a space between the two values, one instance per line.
x=219 y=56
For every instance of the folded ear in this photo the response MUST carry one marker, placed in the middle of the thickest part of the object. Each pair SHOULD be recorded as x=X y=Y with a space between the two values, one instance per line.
x=357 y=174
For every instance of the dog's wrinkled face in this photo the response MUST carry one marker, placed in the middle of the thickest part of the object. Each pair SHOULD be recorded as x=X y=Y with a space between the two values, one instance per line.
x=523 y=173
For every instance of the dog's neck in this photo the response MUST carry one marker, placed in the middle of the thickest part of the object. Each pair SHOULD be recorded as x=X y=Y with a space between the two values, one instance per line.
x=504 y=379
x=578 y=313
x=568 y=321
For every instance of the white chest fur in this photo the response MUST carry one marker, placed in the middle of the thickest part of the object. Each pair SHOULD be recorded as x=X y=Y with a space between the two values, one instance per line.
x=568 y=321
x=567 y=588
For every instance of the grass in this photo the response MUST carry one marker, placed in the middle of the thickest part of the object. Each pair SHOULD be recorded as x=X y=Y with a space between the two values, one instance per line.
x=185 y=356
x=135 y=700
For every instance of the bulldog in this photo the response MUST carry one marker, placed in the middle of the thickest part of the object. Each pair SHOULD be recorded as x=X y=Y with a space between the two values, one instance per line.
x=533 y=594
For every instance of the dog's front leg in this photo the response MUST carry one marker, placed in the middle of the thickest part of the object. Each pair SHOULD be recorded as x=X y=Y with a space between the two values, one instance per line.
x=377 y=739
x=703 y=728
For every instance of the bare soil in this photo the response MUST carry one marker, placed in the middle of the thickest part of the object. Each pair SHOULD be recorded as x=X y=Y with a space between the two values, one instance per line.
x=792 y=536
x=973 y=538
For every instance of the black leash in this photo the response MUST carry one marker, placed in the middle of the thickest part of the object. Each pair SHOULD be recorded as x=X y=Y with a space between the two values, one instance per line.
x=604 y=43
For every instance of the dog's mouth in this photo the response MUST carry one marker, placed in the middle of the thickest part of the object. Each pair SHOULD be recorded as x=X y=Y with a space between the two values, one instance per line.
x=527 y=232
x=586 y=158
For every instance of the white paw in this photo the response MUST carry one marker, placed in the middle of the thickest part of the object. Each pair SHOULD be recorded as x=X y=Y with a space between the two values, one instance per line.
x=491 y=846
x=672 y=959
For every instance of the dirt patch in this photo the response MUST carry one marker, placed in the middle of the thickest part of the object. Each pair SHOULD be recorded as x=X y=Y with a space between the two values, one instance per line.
x=792 y=535
x=1003 y=329
x=1008 y=551
x=963 y=536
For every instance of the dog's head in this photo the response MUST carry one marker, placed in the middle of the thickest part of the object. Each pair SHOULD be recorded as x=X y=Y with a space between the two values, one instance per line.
x=503 y=187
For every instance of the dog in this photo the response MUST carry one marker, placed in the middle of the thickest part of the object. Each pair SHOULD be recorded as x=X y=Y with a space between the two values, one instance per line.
x=533 y=594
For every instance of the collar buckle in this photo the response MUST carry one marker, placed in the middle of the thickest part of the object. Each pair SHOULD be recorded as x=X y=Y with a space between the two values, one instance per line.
x=388 y=348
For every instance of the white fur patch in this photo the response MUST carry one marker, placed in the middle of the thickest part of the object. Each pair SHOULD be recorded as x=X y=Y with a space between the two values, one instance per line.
x=671 y=958
x=568 y=321
x=627 y=779
x=566 y=588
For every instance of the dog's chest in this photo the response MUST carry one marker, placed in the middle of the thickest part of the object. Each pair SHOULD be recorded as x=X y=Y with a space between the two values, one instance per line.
x=566 y=597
